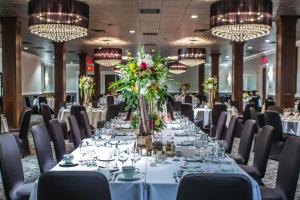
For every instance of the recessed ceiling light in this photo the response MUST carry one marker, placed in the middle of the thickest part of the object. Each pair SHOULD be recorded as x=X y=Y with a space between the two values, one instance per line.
x=194 y=16
x=25 y=48
x=267 y=41
x=226 y=57
x=71 y=62
x=132 y=31
x=53 y=57
x=250 y=48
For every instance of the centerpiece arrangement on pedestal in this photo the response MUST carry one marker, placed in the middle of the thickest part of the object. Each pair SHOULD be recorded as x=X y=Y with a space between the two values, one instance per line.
x=86 y=89
x=184 y=88
x=143 y=85
x=210 y=86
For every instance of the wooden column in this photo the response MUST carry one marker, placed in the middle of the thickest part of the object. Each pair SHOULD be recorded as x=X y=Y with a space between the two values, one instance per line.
x=286 y=69
x=97 y=79
x=201 y=75
x=215 y=68
x=237 y=73
x=82 y=70
x=59 y=74
x=11 y=68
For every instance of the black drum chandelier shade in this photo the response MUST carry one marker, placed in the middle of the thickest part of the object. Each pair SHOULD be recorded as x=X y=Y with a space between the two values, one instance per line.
x=177 y=68
x=241 y=20
x=58 y=20
x=191 y=56
x=108 y=56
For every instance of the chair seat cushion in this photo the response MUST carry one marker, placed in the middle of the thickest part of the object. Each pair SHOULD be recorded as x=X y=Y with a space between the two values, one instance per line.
x=269 y=194
x=237 y=158
x=22 y=191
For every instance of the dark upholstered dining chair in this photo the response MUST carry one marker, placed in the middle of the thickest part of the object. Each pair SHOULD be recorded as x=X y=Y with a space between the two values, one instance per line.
x=262 y=150
x=12 y=170
x=86 y=124
x=76 y=111
x=287 y=173
x=47 y=116
x=110 y=100
x=272 y=118
x=229 y=137
x=215 y=186
x=58 y=139
x=75 y=185
x=275 y=109
x=188 y=99
x=43 y=147
x=170 y=110
x=27 y=102
x=177 y=105
x=74 y=129
x=221 y=126
x=21 y=134
x=187 y=111
x=242 y=156
x=112 y=112
x=215 y=114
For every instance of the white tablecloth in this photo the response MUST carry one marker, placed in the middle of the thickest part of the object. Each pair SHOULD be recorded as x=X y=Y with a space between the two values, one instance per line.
x=205 y=115
x=51 y=102
x=4 y=125
x=95 y=115
x=291 y=126
x=157 y=181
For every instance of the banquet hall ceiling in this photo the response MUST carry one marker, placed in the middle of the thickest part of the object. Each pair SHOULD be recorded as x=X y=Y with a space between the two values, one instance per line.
x=172 y=28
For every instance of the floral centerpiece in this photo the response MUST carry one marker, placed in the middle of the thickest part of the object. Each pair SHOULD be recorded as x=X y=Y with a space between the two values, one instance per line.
x=143 y=84
x=86 y=88
x=210 y=88
x=185 y=87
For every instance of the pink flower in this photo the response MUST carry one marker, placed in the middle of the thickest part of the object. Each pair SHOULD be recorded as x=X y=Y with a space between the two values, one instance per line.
x=143 y=66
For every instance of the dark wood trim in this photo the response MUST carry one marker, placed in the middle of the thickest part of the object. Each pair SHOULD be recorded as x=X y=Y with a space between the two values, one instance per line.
x=82 y=70
x=215 y=61
x=237 y=73
x=201 y=78
x=97 y=79
x=11 y=68
x=59 y=74
x=286 y=61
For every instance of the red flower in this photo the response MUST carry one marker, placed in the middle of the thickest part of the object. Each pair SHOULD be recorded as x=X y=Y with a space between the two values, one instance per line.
x=143 y=66
x=151 y=123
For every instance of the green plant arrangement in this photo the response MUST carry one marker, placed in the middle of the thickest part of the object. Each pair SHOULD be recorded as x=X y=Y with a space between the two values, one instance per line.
x=210 y=87
x=86 y=88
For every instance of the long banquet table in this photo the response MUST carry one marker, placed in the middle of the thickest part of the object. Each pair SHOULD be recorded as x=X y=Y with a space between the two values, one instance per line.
x=157 y=180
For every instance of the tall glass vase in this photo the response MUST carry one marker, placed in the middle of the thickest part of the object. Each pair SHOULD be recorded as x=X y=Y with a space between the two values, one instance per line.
x=210 y=99
x=86 y=99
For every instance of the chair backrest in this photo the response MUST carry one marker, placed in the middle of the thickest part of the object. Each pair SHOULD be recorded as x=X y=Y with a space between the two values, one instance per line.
x=170 y=99
x=288 y=169
x=215 y=186
x=110 y=100
x=177 y=105
x=276 y=109
x=246 y=112
x=75 y=185
x=25 y=123
x=68 y=99
x=87 y=124
x=113 y=111
x=76 y=111
x=254 y=117
x=27 y=102
x=234 y=104
x=10 y=163
x=58 y=139
x=246 y=140
x=187 y=111
x=46 y=111
x=42 y=147
x=42 y=100
x=188 y=99
x=122 y=107
x=74 y=129
x=95 y=103
x=216 y=112
x=229 y=137
x=221 y=125
x=272 y=118
x=262 y=149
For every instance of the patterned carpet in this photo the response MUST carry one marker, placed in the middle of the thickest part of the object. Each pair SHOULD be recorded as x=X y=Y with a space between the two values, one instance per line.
x=31 y=169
